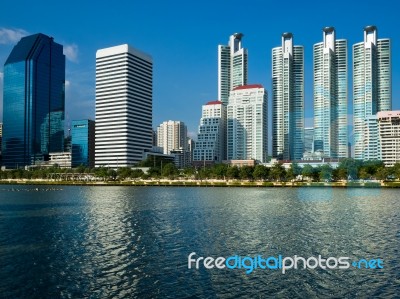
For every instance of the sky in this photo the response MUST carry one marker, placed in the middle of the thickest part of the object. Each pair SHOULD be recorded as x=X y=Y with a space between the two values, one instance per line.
x=182 y=38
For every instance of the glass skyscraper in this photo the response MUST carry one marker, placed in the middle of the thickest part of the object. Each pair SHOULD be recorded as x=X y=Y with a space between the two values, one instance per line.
x=288 y=100
x=330 y=95
x=33 y=101
x=82 y=143
x=232 y=67
x=372 y=84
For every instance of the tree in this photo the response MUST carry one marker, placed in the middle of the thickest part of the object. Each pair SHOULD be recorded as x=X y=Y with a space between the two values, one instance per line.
x=293 y=171
x=137 y=173
x=232 y=172
x=189 y=171
x=307 y=171
x=170 y=171
x=396 y=170
x=112 y=174
x=124 y=172
x=246 y=172
x=277 y=172
x=350 y=166
x=219 y=171
x=363 y=174
x=382 y=173
x=260 y=172
x=325 y=172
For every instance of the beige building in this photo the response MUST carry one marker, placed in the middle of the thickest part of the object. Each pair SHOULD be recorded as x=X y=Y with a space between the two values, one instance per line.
x=389 y=136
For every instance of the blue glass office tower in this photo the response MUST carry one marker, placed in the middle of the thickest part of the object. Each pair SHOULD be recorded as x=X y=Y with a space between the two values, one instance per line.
x=82 y=141
x=33 y=101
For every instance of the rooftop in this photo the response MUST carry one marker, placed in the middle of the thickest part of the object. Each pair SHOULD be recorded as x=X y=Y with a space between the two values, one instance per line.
x=248 y=86
x=214 y=103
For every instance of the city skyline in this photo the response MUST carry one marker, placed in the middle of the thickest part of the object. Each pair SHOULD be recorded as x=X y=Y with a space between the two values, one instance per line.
x=183 y=72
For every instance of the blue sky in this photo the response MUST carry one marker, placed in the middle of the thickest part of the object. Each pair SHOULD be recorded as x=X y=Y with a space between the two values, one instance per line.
x=182 y=37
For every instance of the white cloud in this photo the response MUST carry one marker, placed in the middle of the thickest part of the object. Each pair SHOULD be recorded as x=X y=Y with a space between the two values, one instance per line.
x=67 y=84
x=11 y=36
x=1 y=76
x=71 y=52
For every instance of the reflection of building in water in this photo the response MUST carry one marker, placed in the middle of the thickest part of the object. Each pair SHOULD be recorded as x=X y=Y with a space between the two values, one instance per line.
x=34 y=101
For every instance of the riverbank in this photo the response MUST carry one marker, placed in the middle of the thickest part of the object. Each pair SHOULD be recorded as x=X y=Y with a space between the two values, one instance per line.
x=204 y=183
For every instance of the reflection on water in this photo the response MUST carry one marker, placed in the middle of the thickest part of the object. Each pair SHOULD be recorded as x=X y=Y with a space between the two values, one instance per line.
x=125 y=242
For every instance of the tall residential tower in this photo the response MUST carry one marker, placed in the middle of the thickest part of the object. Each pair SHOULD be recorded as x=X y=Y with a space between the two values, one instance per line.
x=232 y=66
x=288 y=100
x=330 y=95
x=247 y=123
x=124 y=97
x=372 y=83
x=33 y=102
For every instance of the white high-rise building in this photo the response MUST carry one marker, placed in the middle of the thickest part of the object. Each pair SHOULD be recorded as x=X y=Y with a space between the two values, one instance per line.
x=210 y=145
x=330 y=95
x=232 y=66
x=389 y=136
x=372 y=83
x=288 y=100
x=124 y=79
x=247 y=123
x=372 y=149
x=172 y=136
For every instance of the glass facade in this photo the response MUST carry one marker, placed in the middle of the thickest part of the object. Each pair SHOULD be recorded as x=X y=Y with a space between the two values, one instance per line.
x=33 y=101
x=83 y=132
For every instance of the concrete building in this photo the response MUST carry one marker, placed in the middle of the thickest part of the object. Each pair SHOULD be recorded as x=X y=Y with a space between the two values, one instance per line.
x=172 y=138
x=389 y=136
x=232 y=66
x=372 y=83
x=124 y=87
x=247 y=123
x=372 y=149
x=210 y=146
x=288 y=100
x=330 y=95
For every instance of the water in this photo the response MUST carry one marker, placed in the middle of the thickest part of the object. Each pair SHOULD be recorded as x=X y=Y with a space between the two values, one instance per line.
x=134 y=242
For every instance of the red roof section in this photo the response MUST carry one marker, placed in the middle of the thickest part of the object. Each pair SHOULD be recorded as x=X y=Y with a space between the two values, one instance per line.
x=248 y=86
x=214 y=103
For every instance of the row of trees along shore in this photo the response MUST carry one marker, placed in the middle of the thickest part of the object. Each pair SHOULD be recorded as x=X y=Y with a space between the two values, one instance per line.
x=348 y=169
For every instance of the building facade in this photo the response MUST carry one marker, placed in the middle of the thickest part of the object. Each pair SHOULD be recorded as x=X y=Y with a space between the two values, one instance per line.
x=82 y=143
x=33 y=101
x=172 y=136
x=389 y=136
x=372 y=149
x=124 y=110
x=309 y=140
x=210 y=145
x=247 y=123
x=232 y=66
x=288 y=100
x=1 y=136
x=372 y=83
x=330 y=95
